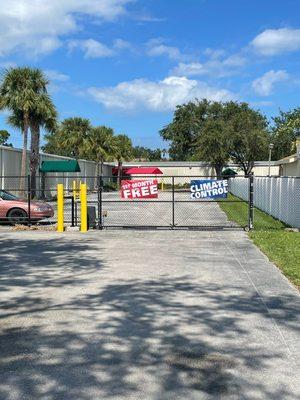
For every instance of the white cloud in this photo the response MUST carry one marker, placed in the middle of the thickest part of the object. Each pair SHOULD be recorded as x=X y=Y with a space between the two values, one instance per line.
x=91 y=48
x=95 y=49
x=264 y=85
x=54 y=75
x=214 y=53
x=215 y=67
x=120 y=44
x=277 y=41
x=148 y=18
x=235 y=60
x=37 y=26
x=189 y=69
x=161 y=95
x=157 y=48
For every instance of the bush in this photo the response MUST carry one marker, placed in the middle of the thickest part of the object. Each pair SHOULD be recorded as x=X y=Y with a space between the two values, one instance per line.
x=110 y=187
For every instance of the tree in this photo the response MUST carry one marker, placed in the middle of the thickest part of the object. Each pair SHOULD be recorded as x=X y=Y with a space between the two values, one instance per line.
x=198 y=132
x=155 y=154
x=74 y=133
x=99 y=145
x=45 y=116
x=124 y=151
x=69 y=138
x=216 y=132
x=20 y=90
x=183 y=131
x=212 y=146
x=54 y=142
x=146 y=154
x=140 y=153
x=284 y=130
x=212 y=143
x=247 y=134
x=4 y=136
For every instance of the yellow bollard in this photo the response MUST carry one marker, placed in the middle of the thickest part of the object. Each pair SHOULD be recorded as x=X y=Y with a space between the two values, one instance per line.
x=83 y=200
x=60 y=208
x=162 y=184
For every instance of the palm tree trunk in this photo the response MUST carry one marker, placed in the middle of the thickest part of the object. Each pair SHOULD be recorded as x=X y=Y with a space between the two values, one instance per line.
x=96 y=175
x=34 y=155
x=22 y=186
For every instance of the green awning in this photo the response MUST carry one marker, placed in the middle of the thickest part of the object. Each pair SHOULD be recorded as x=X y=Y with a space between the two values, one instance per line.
x=228 y=172
x=60 y=166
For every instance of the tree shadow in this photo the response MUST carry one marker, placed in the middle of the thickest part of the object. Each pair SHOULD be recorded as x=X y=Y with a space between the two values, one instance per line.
x=163 y=338
x=45 y=263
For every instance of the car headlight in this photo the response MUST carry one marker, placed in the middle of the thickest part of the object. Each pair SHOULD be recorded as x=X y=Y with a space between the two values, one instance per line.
x=39 y=209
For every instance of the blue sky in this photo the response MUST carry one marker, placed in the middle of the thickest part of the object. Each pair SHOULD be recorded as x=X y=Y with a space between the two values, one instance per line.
x=127 y=63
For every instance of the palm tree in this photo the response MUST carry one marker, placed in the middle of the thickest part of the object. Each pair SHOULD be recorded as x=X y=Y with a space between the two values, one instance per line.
x=20 y=89
x=43 y=117
x=99 y=146
x=73 y=133
x=124 y=151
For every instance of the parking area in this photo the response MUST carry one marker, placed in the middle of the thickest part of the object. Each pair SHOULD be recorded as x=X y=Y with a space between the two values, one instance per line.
x=155 y=212
x=159 y=212
x=154 y=315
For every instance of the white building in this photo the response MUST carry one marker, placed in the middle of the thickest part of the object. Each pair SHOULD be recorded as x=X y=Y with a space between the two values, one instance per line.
x=290 y=166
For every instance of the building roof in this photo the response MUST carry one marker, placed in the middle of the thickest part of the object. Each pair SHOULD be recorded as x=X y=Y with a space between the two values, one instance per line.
x=138 y=171
x=170 y=164
x=288 y=159
x=144 y=171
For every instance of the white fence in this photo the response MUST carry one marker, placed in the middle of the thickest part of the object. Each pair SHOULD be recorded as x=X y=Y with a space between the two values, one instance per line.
x=277 y=196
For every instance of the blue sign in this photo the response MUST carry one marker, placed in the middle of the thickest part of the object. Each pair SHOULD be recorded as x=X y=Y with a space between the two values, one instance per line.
x=209 y=189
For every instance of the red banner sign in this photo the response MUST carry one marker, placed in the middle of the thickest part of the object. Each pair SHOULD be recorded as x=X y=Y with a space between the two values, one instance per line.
x=139 y=189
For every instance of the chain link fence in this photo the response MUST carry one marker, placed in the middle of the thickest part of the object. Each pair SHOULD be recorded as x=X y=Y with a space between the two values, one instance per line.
x=173 y=206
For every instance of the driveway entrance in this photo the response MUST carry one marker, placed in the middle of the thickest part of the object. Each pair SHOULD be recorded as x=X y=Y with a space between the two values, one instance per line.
x=145 y=315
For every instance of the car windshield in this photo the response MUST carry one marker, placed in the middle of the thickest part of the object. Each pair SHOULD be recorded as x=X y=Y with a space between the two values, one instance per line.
x=4 y=195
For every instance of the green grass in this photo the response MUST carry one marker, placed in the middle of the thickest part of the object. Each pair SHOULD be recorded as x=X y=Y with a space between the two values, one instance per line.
x=280 y=246
x=283 y=249
x=238 y=212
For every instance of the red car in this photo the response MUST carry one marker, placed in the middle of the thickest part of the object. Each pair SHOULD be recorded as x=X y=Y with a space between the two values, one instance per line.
x=15 y=210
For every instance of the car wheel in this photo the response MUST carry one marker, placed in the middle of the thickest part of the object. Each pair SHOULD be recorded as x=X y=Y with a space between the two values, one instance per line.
x=17 y=216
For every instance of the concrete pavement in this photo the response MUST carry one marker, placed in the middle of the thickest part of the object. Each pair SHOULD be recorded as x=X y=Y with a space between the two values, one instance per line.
x=144 y=315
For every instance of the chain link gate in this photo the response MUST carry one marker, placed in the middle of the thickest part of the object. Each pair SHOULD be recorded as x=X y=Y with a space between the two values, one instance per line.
x=172 y=209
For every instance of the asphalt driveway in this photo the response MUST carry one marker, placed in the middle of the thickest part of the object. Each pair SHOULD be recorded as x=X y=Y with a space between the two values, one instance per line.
x=144 y=315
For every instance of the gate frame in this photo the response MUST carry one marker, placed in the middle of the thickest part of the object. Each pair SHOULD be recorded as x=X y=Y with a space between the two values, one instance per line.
x=172 y=225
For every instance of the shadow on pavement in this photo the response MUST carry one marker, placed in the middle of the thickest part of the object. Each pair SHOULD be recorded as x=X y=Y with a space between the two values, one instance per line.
x=163 y=338
x=45 y=263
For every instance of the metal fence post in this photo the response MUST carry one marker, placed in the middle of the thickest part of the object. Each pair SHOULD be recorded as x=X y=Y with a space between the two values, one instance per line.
x=100 y=220
x=76 y=213
x=173 y=202
x=251 y=205
x=29 y=199
x=73 y=212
